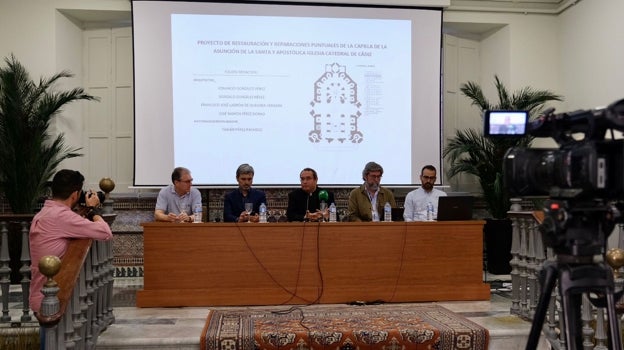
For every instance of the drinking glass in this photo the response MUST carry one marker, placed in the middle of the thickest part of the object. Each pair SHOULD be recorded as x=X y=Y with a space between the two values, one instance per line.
x=249 y=209
x=273 y=216
x=184 y=208
x=420 y=213
x=323 y=208
x=282 y=216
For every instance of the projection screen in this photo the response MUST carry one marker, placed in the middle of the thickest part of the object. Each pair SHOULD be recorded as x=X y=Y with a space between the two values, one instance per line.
x=284 y=86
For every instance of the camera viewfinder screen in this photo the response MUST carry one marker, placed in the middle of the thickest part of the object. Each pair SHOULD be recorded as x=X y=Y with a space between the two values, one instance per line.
x=506 y=123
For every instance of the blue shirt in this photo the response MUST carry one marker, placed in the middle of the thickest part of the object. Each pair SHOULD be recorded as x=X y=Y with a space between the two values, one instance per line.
x=171 y=202
x=234 y=203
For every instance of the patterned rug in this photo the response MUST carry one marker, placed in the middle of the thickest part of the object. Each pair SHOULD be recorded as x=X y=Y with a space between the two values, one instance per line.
x=342 y=327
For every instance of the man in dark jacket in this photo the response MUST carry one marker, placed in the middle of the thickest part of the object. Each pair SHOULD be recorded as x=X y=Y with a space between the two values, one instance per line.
x=304 y=204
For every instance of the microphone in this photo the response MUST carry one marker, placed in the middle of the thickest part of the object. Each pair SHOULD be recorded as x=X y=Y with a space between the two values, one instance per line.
x=323 y=197
x=307 y=208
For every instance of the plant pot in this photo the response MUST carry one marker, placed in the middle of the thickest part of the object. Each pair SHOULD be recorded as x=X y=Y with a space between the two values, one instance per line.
x=497 y=233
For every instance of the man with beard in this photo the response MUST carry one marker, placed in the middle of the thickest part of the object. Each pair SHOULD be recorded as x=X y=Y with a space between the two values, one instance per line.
x=416 y=201
x=366 y=203
x=57 y=224
x=234 y=202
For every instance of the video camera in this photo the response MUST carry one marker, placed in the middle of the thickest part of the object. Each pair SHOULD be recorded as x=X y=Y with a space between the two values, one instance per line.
x=583 y=178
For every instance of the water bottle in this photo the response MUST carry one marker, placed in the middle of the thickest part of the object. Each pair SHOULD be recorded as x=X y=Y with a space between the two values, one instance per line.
x=332 y=212
x=387 y=212
x=429 y=211
x=197 y=213
x=263 y=213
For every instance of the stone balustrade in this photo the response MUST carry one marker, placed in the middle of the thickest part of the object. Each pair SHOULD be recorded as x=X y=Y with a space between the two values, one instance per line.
x=528 y=257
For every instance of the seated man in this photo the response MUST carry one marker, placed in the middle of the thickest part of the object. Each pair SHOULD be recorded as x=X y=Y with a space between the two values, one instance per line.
x=304 y=203
x=416 y=201
x=176 y=201
x=366 y=202
x=234 y=202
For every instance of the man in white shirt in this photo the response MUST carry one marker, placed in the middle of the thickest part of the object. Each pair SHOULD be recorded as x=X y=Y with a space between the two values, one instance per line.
x=416 y=201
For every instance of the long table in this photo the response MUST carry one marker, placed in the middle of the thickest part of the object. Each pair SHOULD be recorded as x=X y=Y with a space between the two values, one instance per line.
x=219 y=264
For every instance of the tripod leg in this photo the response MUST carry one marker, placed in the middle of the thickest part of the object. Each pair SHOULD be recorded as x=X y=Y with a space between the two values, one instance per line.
x=616 y=339
x=575 y=280
x=548 y=277
x=572 y=319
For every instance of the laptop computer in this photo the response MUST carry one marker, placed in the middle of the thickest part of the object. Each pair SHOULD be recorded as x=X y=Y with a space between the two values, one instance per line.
x=452 y=208
x=397 y=214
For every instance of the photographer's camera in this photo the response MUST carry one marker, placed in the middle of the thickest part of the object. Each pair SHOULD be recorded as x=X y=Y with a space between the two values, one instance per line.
x=82 y=200
x=91 y=211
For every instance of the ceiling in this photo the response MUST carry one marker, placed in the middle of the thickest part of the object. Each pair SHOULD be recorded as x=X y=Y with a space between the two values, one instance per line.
x=96 y=18
x=518 y=6
x=477 y=30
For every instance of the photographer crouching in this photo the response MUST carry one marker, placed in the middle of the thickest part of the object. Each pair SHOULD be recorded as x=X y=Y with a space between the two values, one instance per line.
x=57 y=224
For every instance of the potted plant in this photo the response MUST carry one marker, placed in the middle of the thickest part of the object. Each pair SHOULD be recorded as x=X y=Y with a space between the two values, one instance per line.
x=29 y=153
x=470 y=152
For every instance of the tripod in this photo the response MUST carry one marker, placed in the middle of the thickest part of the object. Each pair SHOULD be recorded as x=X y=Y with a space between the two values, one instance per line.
x=576 y=276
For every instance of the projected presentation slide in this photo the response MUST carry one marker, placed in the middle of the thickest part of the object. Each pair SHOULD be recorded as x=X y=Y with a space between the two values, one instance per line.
x=321 y=87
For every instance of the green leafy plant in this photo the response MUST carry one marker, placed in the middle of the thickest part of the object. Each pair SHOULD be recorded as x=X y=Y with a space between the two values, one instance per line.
x=29 y=154
x=469 y=151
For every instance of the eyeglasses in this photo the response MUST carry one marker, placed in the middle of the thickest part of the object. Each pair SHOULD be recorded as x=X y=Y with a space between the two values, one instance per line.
x=374 y=176
x=428 y=177
x=186 y=181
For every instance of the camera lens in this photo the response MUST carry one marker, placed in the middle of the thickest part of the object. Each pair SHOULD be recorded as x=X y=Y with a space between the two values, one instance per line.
x=529 y=171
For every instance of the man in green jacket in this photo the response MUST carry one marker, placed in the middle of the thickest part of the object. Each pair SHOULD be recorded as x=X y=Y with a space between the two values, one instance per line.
x=366 y=202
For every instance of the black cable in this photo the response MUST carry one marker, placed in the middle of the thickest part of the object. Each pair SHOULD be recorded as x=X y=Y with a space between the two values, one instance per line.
x=318 y=266
x=292 y=294
x=396 y=282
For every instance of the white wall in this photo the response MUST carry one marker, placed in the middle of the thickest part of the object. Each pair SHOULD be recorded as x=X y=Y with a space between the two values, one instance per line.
x=524 y=52
x=592 y=53
x=495 y=52
x=28 y=29
x=68 y=56
x=461 y=64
